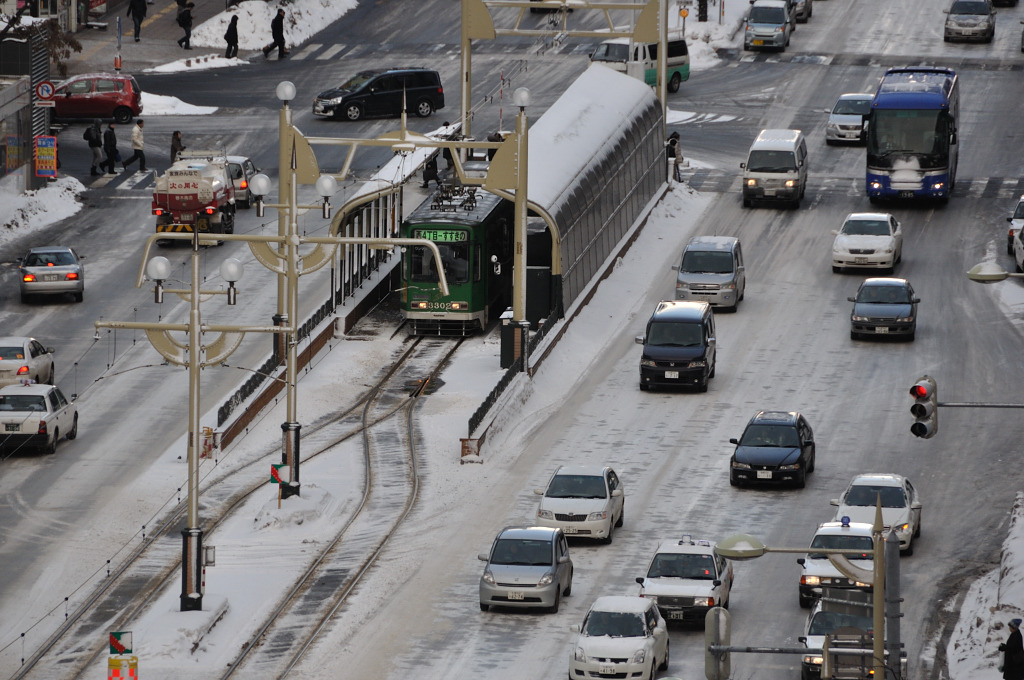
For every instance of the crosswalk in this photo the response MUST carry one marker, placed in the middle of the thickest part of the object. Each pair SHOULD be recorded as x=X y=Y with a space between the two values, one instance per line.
x=717 y=181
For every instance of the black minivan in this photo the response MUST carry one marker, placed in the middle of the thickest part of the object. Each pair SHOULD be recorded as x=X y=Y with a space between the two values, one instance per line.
x=380 y=93
x=679 y=346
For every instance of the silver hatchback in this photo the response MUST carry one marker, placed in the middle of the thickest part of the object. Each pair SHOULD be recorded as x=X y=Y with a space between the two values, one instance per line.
x=711 y=270
x=970 y=20
x=527 y=567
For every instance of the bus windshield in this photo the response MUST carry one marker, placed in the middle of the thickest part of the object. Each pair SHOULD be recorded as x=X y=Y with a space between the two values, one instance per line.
x=908 y=132
x=454 y=256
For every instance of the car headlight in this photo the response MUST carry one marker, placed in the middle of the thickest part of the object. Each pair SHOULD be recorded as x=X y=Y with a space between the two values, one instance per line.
x=545 y=514
x=810 y=580
x=832 y=126
x=889 y=250
x=812 y=660
x=729 y=286
x=751 y=182
x=780 y=29
x=335 y=101
x=650 y=363
x=740 y=466
x=790 y=183
x=904 y=319
x=859 y=318
x=703 y=602
x=682 y=286
x=839 y=251
x=902 y=528
x=698 y=363
x=488 y=577
x=639 y=656
x=597 y=516
x=579 y=654
x=546 y=579
x=794 y=466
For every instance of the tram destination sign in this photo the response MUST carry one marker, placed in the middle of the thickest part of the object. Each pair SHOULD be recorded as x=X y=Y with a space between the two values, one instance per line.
x=442 y=235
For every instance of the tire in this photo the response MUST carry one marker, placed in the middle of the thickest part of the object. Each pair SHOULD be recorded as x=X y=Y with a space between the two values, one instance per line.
x=910 y=338
x=746 y=48
x=746 y=202
x=836 y=270
x=653 y=671
x=854 y=335
x=51 y=448
x=830 y=142
x=715 y=365
x=622 y=516
x=703 y=385
x=607 y=540
x=568 y=589
x=553 y=609
x=53 y=371
x=664 y=662
x=801 y=481
x=122 y=115
x=353 y=111
x=424 y=108
x=247 y=203
x=733 y=481
x=79 y=297
x=673 y=83
x=74 y=429
x=484 y=607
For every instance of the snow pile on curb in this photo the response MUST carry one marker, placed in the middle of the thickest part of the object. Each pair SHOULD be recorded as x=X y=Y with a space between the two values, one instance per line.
x=39 y=207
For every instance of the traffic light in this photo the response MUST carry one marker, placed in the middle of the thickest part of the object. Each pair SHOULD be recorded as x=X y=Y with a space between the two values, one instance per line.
x=702 y=10
x=926 y=407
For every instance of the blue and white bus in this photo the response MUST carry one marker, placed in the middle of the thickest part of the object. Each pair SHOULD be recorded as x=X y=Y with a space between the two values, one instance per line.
x=912 y=138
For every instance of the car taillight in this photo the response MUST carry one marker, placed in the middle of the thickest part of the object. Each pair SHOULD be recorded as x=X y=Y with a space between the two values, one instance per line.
x=42 y=427
x=28 y=278
x=245 y=185
x=71 y=276
x=23 y=370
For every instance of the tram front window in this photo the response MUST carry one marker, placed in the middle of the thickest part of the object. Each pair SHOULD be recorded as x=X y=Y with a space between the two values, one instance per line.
x=455 y=259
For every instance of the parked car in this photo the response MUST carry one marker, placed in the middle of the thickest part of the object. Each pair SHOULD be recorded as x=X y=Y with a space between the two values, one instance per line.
x=868 y=241
x=527 y=567
x=242 y=171
x=98 y=95
x=884 y=306
x=1016 y=220
x=820 y=624
x=24 y=358
x=901 y=505
x=52 y=270
x=686 y=578
x=36 y=417
x=970 y=20
x=847 y=116
x=582 y=500
x=381 y=93
x=817 y=572
x=621 y=637
x=776 y=447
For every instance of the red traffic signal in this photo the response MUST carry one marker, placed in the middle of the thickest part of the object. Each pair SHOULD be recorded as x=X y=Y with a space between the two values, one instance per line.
x=925 y=408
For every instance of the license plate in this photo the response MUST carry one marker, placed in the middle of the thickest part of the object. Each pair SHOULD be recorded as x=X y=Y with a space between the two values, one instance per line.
x=677 y=615
x=605 y=669
x=860 y=260
x=769 y=192
x=906 y=194
x=882 y=329
x=516 y=595
x=51 y=277
x=187 y=217
x=758 y=42
x=672 y=375
x=570 y=530
x=764 y=474
x=11 y=427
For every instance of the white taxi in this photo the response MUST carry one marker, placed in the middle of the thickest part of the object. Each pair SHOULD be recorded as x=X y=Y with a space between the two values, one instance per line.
x=817 y=572
x=686 y=578
x=35 y=417
x=621 y=637
x=24 y=358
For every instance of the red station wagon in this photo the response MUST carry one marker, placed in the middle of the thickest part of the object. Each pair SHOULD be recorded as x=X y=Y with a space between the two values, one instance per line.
x=98 y=95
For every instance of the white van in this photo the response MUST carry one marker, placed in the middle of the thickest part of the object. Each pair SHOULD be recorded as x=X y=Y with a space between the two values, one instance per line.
x=776 y=168
x=620 y=55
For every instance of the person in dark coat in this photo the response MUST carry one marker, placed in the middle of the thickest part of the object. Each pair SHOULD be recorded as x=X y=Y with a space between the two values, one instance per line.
x=185 y=19
x=231 y=38
x=94 y=135
x=110 y=148
x=1013 y=653
x=137 y=11
x=277 y=32
x=430 y=172
x=176 y=145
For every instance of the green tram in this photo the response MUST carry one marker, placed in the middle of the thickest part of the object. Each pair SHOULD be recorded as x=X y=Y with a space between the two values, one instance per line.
x=473 y=230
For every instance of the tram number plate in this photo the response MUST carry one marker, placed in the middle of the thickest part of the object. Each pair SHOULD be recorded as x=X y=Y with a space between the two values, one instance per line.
x=906 y=194
x=606 y=669
x=672 y=375
x=516 y=595
x=882 y=329
x=764 y=474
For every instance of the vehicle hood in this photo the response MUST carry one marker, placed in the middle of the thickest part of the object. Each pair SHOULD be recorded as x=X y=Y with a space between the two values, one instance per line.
x=678 y=587
x=526 y=575
x=705 y=277
x=681 y=355
x=605 y=646
x=333 y=93
x=879 y=310
x=574 y=506
x=846 y=119
x=814 y=641
x=969 y=19
x=862 y=242
x=862 y=513
x=767 y=455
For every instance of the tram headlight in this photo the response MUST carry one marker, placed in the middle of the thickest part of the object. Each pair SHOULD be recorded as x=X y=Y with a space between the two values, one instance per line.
x=420 y=304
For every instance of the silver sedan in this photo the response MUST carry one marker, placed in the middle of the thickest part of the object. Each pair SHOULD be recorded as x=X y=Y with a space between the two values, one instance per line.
x=52 y=270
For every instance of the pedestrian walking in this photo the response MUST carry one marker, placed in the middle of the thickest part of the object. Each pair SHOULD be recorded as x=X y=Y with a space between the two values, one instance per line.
x=185 y=21
x=138 y=147
x=231 y=38
x=672 y=151
x=1013 y=653
x=94 y=135
x=277 y=33
x=137 y=11
x=110 y=148
x=430 y=172
x=176 y=145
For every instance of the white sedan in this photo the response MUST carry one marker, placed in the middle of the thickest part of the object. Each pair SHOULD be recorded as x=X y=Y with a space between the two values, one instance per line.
x=901 y=505
x=583 y=501
x=24 y=358
x=35 y=417
x=869 y=241
x=621 y=637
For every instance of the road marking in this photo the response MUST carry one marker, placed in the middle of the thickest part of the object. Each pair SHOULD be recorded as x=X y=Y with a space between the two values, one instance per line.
x=331 y=51
x=309 y=49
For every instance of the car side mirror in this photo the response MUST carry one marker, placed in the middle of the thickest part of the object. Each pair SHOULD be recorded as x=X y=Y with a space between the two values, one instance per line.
x=640 y=580
x=711 y=339
x=916 y=300
x=482 y=557
x=563 y=559
x=743 y=165
x=800 y=561
x=716 y=582
x=1010 y=219
x=852 y=299
x=835 y=232
x=675 y=267
x=50 y=350
x=916 y=505
x=834 y=501
x=639 y=339
x=802 y=639
x=734 y=440
x=539 y=492
x=617 y=493
x=575 y=627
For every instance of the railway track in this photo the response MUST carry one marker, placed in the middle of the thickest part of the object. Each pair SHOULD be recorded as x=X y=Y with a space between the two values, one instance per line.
x=155 y=564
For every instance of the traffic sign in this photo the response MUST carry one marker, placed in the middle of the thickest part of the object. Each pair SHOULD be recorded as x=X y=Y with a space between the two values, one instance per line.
x=684 y=13
x=44 y=90
x=121 y=642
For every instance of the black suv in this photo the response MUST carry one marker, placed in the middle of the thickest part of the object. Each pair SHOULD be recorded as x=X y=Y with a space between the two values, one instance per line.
x=380 y=93
x=776 y=447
